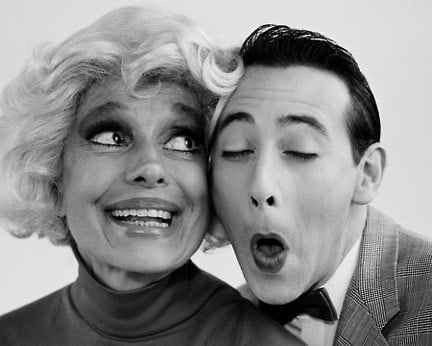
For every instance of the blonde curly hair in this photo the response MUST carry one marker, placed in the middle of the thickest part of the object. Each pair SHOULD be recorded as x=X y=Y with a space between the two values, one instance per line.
x=141 y=45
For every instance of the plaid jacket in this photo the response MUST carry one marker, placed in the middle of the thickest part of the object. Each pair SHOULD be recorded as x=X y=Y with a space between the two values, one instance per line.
x=389 y=301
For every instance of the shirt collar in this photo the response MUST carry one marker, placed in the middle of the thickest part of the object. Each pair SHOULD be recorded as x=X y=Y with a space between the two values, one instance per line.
x=337 y=285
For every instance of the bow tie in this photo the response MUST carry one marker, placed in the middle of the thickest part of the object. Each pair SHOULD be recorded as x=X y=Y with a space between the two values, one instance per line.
x=314 y=303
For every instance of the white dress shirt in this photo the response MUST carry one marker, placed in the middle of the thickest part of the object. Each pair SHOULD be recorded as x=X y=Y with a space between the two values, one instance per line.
x=316 y=332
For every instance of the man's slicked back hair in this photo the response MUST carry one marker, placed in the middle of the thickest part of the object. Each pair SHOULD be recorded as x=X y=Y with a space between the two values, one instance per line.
x=281 y=46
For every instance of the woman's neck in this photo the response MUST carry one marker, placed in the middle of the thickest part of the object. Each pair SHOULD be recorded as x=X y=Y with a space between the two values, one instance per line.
x=118 y=278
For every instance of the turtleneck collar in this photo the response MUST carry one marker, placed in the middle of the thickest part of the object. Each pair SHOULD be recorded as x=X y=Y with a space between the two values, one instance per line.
x=142 y=312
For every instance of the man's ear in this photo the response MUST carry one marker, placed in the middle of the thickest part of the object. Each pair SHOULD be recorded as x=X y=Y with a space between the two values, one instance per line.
x=370 y=171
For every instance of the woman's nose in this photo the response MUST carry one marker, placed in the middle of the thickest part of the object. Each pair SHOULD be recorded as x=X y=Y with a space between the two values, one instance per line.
x=149 y=171
x=150 y=174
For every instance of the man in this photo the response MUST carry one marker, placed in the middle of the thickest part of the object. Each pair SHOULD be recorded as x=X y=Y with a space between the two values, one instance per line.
x=296 y=159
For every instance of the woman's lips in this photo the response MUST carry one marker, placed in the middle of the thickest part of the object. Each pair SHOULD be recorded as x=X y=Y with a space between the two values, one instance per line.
x=144 y=203
x=143 y=216
x=269 y=252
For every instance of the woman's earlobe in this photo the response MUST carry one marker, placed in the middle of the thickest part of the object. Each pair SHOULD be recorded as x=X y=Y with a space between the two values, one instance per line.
x=216 y=235
x=61 y=208
x=370 y=171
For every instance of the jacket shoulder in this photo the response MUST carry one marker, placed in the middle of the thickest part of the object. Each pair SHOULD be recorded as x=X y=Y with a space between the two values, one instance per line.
x=414 y=264
x=413 y=252
x=412 y=324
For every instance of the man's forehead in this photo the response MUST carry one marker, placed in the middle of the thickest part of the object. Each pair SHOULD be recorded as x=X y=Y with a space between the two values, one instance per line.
x=294 y=78
x=296 y=88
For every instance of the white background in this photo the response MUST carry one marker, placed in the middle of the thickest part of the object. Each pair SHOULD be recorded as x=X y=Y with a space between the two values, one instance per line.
x=391 y=40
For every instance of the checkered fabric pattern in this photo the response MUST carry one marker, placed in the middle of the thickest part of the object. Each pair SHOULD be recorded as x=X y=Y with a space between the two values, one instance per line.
x=389 y=301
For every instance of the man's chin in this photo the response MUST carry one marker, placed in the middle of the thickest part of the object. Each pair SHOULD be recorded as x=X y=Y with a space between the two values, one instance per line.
x=276 y=300
x=273 y=293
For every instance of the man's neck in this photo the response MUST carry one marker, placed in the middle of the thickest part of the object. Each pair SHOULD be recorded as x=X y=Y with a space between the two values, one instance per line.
x=352 y=232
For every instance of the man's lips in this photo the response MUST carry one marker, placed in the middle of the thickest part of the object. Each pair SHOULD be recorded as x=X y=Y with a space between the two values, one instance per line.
x=269 y=252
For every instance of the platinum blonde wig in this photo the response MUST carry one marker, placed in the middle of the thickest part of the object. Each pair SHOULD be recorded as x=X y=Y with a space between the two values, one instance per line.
x=142 y=46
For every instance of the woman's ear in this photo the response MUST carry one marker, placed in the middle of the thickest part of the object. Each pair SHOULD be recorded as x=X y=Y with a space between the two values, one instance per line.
x=60 y=203
x=216 y=235
x=61 y=209
x=370 y=171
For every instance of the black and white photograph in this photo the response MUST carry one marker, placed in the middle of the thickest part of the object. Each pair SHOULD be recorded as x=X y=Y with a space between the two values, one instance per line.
x=215 y=172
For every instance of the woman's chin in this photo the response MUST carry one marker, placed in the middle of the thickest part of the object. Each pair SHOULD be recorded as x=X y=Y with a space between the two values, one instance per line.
x=126 y=274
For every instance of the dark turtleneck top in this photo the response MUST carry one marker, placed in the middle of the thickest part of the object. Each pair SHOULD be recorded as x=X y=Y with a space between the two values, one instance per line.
x=188 y=307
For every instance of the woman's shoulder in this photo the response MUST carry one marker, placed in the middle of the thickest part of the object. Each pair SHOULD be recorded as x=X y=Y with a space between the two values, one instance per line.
x=238 y=321
x=24 y=324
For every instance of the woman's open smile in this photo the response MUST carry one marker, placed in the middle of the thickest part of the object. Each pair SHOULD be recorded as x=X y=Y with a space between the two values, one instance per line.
x=144 y=216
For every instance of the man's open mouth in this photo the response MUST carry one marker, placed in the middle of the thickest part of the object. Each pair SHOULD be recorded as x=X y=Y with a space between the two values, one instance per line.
x=269 y=252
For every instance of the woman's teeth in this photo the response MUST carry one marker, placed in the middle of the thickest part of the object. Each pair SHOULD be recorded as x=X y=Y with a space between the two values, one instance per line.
x=143 y=217
x=148 y=223
x=142 y=213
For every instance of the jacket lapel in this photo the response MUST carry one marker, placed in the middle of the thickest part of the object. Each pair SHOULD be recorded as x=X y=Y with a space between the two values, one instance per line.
x=372 y=298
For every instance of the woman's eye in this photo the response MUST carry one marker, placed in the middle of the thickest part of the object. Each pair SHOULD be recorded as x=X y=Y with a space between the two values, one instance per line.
x=301 y=156
x=182 y=143
x=236 y=155
x=109 y=138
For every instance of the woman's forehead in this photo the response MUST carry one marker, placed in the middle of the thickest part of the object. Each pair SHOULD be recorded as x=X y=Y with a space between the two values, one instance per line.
x=113 y=94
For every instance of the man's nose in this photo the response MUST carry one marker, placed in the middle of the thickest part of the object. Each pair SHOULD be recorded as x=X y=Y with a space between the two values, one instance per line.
x=264 y=190
x=266 y=201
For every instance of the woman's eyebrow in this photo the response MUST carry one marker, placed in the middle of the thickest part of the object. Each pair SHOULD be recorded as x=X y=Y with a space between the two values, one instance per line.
x=189 y=111
x=109 y=111
x=105 y=108
x=187 y=115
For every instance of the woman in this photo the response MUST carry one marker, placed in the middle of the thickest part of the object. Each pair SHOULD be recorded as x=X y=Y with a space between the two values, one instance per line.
x=102 y=148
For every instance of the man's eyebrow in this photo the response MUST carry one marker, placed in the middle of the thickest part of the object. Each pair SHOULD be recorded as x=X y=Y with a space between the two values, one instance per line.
x=303 y=119
x=240 y=116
